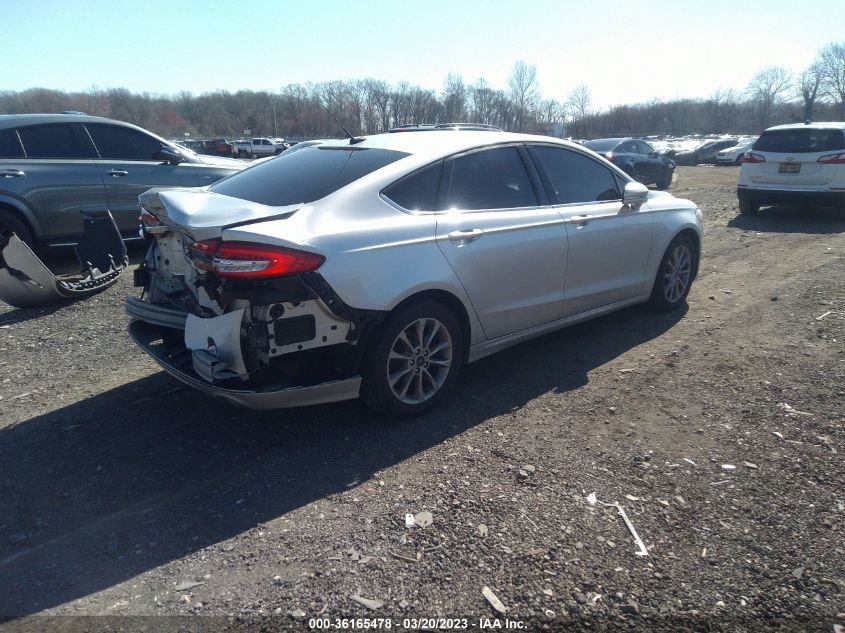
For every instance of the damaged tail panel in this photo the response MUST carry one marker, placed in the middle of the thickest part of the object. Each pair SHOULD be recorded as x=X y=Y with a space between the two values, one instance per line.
x=26 y=282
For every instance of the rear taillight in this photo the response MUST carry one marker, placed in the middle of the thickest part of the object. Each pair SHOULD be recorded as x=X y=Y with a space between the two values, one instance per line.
x=150 y=224
x=245 y=260
x=833 y=159
x=751 y=157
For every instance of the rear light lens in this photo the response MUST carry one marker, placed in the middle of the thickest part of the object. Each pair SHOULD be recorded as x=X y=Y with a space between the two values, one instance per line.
x=150 y=224
x=243 y=260
x=751 y=157
x=833 y=159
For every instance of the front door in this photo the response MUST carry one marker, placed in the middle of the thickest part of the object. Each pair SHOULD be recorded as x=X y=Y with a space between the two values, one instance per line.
x=609 y=243
x=129 y=166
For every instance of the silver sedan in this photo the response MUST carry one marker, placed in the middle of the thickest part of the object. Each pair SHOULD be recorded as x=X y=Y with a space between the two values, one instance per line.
x=380 y=265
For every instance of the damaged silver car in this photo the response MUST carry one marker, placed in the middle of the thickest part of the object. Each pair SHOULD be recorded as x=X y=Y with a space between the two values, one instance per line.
x=380 y=266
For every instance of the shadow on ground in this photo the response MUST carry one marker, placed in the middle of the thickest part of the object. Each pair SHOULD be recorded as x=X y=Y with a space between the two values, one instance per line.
x=792 y=219
x=107 y=488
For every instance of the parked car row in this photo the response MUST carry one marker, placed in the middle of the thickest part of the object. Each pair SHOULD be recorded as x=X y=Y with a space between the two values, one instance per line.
x=211 y=147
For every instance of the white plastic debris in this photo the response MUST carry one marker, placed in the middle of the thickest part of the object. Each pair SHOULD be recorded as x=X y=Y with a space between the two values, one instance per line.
x=591 y=498
x=409 y=520
x=366 y=602
x=493 y=600
x=789 y=410
x=728 y=467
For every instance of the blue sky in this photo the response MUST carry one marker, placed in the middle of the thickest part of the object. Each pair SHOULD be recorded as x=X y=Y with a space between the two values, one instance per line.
x=624 y=51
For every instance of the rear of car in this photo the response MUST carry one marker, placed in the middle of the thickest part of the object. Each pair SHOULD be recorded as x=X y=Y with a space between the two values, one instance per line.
x=794 y=164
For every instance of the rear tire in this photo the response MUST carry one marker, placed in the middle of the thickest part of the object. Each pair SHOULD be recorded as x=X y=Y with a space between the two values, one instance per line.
x=747 y=207
x=674 y=275
x=242 y=153
x=10 y=223
x=666 y=181
x=413 y=360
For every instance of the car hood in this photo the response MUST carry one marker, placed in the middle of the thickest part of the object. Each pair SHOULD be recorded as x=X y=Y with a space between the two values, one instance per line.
x=203 y=214
x=221 y=161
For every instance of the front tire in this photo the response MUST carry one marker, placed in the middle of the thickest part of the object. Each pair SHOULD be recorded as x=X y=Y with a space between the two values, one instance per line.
x=665 y=182
x=9 y=223
x=674 y=275
x=413 y=361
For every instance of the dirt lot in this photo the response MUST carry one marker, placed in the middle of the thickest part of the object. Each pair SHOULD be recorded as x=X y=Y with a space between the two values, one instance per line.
x=117 y=485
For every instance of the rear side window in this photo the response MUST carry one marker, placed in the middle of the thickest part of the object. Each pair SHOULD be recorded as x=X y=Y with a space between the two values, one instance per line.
x=417 y=191
x=305 y=176
x=574 y=177
x=122 y=143
x=801 y=140
x=50 y=141
x=10 y=146
x=489 y=179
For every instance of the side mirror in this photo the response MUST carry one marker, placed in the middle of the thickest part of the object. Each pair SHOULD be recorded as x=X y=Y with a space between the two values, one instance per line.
x=635 y=194
x=170 y=155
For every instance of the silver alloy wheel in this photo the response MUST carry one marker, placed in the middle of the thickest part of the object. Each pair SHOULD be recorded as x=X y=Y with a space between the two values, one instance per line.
x=676 y=275
x=419 y=361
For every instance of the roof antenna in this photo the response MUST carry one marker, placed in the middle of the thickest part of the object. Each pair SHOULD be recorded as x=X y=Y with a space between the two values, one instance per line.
x=352 y=139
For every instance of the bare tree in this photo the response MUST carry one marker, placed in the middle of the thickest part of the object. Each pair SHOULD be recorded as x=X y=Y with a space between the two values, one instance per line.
x=809 y=85
x=524 y=92
x=767 y=90
x=454 y=98
x=481 y=102
x=832 y=62
x=579 y=102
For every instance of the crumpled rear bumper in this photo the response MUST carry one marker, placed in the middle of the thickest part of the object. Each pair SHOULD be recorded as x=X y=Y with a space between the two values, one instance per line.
x=148 y=336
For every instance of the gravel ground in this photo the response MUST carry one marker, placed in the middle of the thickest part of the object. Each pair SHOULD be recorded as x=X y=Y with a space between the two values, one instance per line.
x=720 y=431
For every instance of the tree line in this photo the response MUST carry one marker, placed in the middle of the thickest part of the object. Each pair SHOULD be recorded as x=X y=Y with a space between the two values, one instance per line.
x=369 y=106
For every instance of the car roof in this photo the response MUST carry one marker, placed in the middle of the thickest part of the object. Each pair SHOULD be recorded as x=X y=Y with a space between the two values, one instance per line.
x=432 y=144
x=833 y=125
x=16 y=120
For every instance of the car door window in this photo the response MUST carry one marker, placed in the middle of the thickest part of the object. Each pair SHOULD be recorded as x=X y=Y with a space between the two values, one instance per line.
x=627 y=147
x=644 y=148
x=114 y=142
x=573 y=177
x=417 y=191
x=50 y=141
x=10 y=145
x=489 y=179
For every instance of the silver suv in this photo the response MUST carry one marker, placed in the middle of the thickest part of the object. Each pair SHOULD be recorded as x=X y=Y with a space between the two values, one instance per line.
x=56 y=167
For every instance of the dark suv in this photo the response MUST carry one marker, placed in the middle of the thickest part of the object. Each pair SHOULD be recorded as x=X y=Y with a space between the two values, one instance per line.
x=55 y=167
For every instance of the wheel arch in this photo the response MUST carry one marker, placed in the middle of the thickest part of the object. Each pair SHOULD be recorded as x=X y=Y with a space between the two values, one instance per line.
x=696 y=242
x=22 y=213
x=449 y=301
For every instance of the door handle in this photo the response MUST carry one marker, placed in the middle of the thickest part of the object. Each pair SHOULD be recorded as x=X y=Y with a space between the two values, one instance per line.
x=11 y=173
x=581 y=220
x=465 y=236
x=117 y=173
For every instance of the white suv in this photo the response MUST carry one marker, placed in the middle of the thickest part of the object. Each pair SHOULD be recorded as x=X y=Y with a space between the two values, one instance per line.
x=803 y=163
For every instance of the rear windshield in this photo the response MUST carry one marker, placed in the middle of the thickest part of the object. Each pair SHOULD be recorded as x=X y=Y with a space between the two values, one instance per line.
x=602 y=145
x=304 y=176
x=801 y=140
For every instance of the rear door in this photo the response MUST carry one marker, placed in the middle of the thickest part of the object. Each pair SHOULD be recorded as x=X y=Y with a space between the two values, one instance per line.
x=507 y=248
x=609 y=243
x=129 y=166
x=792 y=156
x=56 y=178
